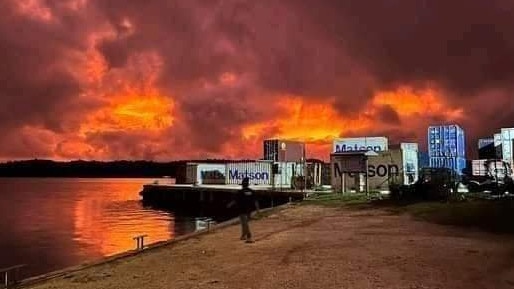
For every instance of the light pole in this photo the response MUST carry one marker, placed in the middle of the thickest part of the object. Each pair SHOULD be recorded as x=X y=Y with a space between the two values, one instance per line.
x=304 y=169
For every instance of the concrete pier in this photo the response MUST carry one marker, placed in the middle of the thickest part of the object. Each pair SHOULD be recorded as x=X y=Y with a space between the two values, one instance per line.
x=212 y=196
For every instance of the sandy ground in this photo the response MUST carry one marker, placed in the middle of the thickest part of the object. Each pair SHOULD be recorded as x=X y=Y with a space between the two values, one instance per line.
x=313 y=247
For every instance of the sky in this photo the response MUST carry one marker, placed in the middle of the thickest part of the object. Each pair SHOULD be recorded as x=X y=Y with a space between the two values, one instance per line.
x=165 y=80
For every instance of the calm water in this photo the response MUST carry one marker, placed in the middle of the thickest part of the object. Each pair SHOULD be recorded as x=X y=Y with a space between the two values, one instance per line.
x=50 y=224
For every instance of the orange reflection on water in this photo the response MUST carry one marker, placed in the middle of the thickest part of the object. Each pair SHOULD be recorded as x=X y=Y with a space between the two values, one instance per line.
x=109 y=218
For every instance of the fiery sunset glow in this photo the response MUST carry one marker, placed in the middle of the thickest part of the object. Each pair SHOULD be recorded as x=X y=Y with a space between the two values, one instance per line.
x=94 y=79
x=407 y=102
x=150 y=113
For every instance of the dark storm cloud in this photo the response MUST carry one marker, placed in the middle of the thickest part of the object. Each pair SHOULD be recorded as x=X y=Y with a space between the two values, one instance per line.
x=37 y=85
x=387 y=115
x=179 y=30
x=462 y=45
x=215 y=114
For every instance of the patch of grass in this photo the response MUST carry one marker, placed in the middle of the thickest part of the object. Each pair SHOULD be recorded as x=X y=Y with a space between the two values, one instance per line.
x=493 y=216
x=489 y=215
x=336 y=200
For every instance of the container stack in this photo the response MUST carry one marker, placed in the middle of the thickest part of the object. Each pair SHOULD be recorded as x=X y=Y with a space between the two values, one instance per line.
x=410 y=162
x=506 y=140
x=447 y=147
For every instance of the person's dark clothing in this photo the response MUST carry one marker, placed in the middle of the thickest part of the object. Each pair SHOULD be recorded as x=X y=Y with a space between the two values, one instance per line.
x=245 y=201
x=245 y=227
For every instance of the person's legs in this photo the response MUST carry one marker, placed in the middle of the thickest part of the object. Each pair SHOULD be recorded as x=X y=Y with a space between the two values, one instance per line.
x=248 y=233
x=244 y=226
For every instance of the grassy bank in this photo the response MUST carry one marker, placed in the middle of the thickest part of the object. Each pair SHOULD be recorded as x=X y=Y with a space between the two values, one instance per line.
x=493 y=216
x=336 y=200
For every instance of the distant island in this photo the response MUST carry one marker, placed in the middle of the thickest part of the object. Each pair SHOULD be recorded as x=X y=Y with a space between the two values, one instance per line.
x=94 y=169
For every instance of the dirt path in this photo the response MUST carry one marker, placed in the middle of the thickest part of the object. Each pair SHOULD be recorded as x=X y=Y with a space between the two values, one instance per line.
x=313 y=247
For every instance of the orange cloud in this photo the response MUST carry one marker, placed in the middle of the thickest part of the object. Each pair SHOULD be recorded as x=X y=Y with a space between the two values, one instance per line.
x=318 y=122
x=133 y=112
x=131 y=102
x=308 y=121
x=406 y=101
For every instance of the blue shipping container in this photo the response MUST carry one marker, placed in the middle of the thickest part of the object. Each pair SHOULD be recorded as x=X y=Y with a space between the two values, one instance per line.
x=455 y=163
x=423 y=160
x=446 y=141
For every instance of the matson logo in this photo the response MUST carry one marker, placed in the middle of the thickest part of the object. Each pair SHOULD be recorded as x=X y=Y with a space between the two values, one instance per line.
x=355 y=147
x=236 y=174
x=373 y=171
x=213 y=175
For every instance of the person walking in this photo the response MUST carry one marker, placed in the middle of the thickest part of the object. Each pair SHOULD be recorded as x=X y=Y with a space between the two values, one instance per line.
x=245 y=202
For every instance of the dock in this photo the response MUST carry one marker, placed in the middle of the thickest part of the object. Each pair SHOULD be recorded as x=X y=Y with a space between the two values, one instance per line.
x=213 y=196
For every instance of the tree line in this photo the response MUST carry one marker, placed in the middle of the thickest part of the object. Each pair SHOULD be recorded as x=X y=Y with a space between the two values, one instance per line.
x=94 y=169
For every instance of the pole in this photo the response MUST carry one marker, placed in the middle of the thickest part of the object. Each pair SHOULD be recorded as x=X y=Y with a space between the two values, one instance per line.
x=304 y=169
x=343 y=185
x=367 y=182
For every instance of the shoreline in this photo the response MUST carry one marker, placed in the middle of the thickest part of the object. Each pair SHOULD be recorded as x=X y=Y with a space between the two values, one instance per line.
x=42 y=278
x=312 y=246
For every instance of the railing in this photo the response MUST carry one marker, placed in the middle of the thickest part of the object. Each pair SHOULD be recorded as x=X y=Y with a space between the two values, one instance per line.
x=207 y=222
x=140 y=242
x=11 y=275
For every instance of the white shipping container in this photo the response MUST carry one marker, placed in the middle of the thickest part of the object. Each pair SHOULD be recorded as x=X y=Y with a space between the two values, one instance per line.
x=410 y=162
x=360 y=143
x=478 y=168
x=210 y=172
x=507 y=135
x=286 y=171
x=259 y=172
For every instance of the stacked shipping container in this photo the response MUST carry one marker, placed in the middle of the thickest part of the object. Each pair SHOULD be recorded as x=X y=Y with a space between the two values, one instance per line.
x=410 y=162
x=360 y=143
x=447 y=147
x=283 y=150
x=506 y=138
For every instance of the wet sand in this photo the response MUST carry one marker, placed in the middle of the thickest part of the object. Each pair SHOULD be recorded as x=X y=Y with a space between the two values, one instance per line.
x=316 y=247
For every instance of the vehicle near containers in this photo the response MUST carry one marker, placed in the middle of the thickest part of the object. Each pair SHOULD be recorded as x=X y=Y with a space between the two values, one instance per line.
x=490 y=175
x=360 y=144
x=433 y=184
